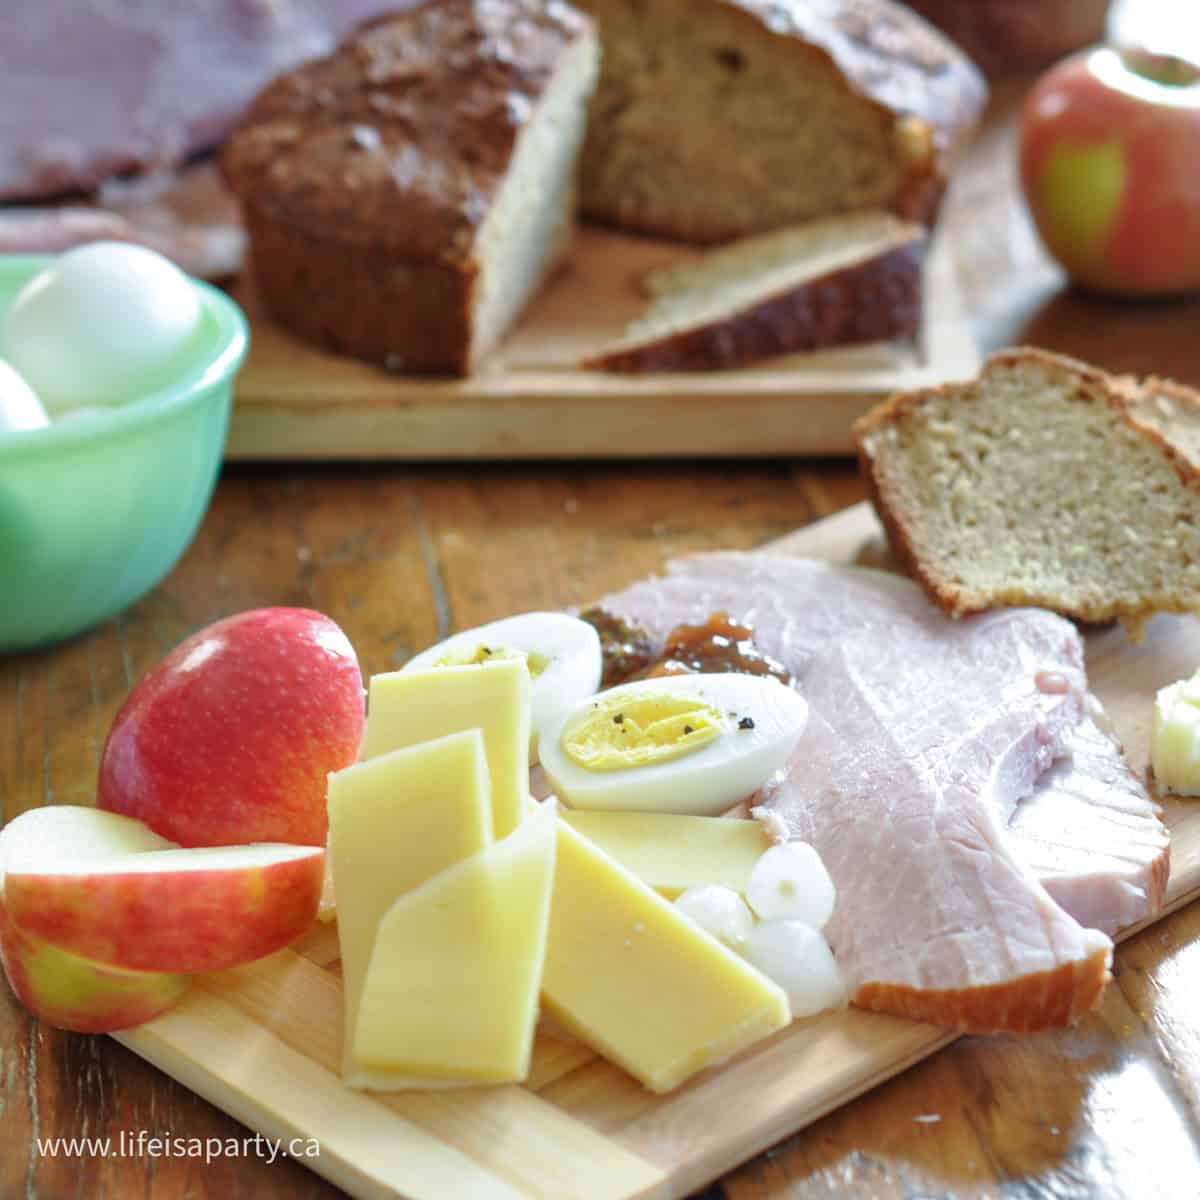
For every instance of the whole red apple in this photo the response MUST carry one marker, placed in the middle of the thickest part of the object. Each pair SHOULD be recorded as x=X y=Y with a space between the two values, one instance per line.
x=230 y=738
x=1110 y=166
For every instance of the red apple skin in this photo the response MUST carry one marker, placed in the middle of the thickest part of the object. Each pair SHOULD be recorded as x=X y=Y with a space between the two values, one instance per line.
x=72 y=993
x=230 y=738
x=1139 y=233
x=170 y=921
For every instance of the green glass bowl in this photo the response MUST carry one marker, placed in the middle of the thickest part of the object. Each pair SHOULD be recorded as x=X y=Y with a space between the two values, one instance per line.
x=96 y=509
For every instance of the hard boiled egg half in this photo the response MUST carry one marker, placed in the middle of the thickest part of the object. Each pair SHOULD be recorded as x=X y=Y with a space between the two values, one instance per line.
x=562 y=653
x=680 y=743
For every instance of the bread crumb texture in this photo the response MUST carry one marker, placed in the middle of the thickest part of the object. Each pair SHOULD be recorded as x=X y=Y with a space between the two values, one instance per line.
x=1037 y=483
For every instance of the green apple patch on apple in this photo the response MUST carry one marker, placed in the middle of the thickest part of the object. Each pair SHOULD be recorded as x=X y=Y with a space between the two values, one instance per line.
x=1079 y=194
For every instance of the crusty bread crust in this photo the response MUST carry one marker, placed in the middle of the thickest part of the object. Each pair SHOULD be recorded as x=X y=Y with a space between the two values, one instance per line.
x=1048 y=1000
x=871 y=301
x=922 y=560
x=413 y=317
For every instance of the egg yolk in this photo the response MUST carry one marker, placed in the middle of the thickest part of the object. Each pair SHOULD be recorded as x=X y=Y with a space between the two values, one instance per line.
x=472 y=656
x=619 y=732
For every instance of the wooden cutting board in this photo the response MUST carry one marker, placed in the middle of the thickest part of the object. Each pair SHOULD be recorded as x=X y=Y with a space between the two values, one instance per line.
x=263 y=1042
x=294 y=401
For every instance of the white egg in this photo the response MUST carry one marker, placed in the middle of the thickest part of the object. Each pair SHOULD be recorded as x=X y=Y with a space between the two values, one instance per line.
x=103 y=324
x=562 y=652
x=798 y=958
x=790 y=882
x=680 y=743
x=19 y=407
x=719 y=911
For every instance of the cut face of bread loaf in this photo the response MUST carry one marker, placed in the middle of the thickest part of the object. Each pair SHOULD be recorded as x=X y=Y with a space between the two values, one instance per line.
x=1037 y=484
x=834 y=282
x=405 y=196
x=719 y=118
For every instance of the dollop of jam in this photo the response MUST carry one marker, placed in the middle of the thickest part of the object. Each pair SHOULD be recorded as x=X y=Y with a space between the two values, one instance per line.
x=627 y=648
x=719 y=645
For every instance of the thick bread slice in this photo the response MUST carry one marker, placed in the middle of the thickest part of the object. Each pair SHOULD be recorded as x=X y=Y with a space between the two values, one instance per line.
x=1036 y=483
x=1171 y=409
x=834 y=282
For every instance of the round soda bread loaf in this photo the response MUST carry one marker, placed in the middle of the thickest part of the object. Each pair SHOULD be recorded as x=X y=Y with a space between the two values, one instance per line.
x=406 y=195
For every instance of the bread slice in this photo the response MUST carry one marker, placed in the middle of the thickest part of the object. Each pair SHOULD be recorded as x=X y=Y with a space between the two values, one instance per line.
x=1036 y=483
x=833 y=282
x=715 y=119
x=406 y=195
x=1171 y=409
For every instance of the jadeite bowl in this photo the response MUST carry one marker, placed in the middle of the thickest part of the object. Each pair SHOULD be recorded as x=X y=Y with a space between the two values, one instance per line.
x=97 y=508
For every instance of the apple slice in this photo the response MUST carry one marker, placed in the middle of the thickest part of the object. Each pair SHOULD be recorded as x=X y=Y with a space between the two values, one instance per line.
x=73 y=993
x=169 y=910
x=58 y=987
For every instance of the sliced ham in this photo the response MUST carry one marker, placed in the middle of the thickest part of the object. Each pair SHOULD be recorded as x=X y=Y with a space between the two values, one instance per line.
x=1093 y=836
x=93 y=88
x=974 y=818
x=211 y=249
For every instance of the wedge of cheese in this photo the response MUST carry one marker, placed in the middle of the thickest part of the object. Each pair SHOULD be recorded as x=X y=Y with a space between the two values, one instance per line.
x=640 y=983
x=394 y=822
x=451 y=993
x=672 y=852
x=407 y=707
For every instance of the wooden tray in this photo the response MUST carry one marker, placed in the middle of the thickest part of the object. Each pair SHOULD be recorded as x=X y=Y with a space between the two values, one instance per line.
x=263 y=1042
x=297 y=402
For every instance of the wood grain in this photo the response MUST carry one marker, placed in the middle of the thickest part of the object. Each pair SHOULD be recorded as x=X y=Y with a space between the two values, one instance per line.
x=294 y=401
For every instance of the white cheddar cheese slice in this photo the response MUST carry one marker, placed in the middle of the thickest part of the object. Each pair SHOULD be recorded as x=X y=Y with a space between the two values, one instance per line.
x=640 y=983
x=672 y=852
x=406 y=707
x=451 y=994
x=395 y=822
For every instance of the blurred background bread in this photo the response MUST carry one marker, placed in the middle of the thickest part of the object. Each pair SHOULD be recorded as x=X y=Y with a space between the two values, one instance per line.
x=715 y=119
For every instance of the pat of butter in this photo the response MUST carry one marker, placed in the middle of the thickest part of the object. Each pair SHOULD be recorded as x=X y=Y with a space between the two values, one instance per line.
x=1175 y=740
x=451 y=994
x=407 y=707
x=672 y=852
x=639 y=982
x=395 y=822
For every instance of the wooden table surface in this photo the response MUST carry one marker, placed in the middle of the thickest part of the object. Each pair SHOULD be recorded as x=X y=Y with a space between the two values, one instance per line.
x=400 y=555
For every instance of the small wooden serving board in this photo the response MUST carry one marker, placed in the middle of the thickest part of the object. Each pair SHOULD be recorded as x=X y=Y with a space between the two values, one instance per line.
x=294 y=401
x=264 y=1042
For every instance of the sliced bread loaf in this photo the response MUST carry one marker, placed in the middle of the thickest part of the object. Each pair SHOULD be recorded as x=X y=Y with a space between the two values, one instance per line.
x=1036 y=483
x=715 y=119
x=406 y=195
x=833 y=282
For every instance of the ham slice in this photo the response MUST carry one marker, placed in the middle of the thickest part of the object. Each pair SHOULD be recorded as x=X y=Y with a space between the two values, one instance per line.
x=1093 y=836
x=189 y=216
x=983 y=833
x=93 y=88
